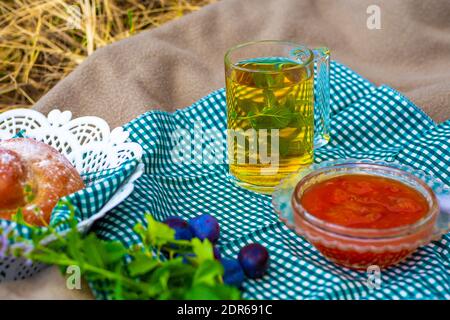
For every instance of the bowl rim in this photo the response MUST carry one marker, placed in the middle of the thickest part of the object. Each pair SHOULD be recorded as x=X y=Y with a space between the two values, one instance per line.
x=366 y=233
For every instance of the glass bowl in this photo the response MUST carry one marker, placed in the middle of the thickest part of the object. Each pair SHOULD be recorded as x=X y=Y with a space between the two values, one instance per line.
x=359 y=248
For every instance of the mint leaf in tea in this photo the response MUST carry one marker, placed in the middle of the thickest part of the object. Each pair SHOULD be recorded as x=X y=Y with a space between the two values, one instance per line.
x=270 y=104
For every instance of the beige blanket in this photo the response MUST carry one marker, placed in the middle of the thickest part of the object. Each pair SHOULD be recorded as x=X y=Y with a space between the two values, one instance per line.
x=178 y=63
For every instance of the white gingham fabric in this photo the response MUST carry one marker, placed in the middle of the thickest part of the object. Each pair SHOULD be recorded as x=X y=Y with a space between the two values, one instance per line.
x=367 y=122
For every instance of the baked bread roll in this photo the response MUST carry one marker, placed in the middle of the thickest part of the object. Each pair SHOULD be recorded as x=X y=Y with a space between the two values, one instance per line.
x=34 y=176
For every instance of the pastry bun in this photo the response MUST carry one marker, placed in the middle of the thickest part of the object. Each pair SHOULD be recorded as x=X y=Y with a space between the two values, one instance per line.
x=33 y=177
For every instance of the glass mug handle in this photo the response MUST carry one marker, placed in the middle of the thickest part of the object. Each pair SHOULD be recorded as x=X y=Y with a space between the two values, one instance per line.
x=442 y=225
x=321 y=96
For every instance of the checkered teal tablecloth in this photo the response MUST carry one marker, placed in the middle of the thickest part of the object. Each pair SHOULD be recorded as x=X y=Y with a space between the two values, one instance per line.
x=367 y=122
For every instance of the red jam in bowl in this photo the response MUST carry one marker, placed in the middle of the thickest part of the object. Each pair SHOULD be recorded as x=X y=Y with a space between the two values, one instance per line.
x=359 y=220
x=362 y=201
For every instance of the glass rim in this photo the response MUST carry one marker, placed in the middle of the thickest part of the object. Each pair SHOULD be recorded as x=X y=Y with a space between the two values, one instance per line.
x=365 y=233
x=275 y=42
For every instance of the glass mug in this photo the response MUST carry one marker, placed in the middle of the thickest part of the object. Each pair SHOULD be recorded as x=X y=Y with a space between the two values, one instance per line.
x=275 y=118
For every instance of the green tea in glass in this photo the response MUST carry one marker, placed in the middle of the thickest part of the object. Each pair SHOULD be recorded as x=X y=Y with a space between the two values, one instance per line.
x=274 y=120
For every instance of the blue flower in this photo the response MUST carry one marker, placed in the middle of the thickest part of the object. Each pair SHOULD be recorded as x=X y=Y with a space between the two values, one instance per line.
x=22 y=249
x=4 y=241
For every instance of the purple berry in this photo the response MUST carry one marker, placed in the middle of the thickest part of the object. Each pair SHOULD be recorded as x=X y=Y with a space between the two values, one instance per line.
x=181 y=227
x=205 y=227
x=233 y=275
x=254 y=259
x=217 y=254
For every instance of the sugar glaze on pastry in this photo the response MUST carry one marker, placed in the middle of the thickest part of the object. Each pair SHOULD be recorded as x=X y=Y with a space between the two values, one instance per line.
x=33 y=177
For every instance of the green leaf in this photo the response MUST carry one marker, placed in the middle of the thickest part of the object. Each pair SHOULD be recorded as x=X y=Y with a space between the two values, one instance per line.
x=277 y=118
x=202 y=250
x=47 y=257
x=158 y=233
x=280 y=117
x=270 y=99
x=268 y=80
x=208 y=273
x=119 y=289
x=218 y=292
x=105 y=266
x=142 y=264
x=284 y=145
x=74 y=245
x=251 y=118
x=18 y=217
x=93 y=251
x=260 y=79
x=271 y=117
x=159 y=280
x=290 y=103
x=279 y=80
x=251 y=106
x=113 y=251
